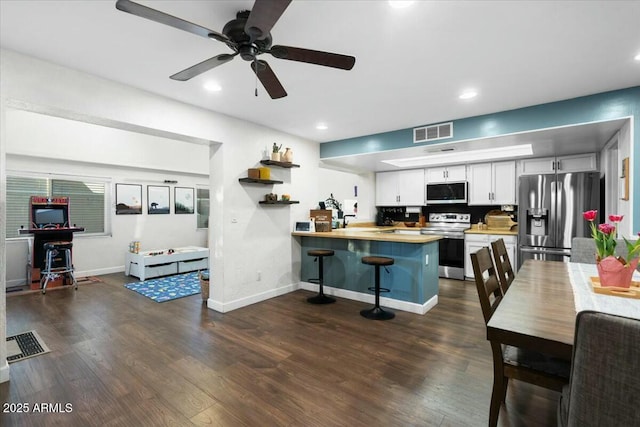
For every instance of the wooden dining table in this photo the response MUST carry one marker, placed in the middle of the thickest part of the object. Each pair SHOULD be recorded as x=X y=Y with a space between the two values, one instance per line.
x=538 y=311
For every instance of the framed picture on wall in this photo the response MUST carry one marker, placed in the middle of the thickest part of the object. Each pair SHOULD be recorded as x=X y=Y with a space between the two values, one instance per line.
x=157 y=199
x=183 y=200
x=128 y=199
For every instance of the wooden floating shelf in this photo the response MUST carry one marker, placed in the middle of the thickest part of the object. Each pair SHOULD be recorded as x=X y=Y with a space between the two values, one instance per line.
x=280 y=164
x=280 y=202
x=260 y=181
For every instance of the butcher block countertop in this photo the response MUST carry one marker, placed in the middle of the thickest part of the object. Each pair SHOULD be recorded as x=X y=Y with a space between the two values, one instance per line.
x=381 y=234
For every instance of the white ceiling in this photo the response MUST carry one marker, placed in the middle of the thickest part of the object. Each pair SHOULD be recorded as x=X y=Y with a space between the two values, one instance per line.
x=411 y=63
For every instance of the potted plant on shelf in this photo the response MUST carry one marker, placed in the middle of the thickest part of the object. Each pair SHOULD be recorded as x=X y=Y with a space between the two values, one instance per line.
x=613 y=271
x=331 y=202
x=275 y=152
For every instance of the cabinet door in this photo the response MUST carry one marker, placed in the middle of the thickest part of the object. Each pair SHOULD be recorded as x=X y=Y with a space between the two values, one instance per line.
x=386 y=189
x=479 y=186
x=504 y=183
x=436 y=175
x=469 y=248
x=536 y=166
x=578 y=163
x=456 y=173
x=512 y=251
x=411 y=188
x=511 y=245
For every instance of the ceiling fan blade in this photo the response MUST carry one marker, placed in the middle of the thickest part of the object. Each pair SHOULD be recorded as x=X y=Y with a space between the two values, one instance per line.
x=263 y=17
x=327 y=59
x=268 y=79
x=163 y=18
x=200 y=68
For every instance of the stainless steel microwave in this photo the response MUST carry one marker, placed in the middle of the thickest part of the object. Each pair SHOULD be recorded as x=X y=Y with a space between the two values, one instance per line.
x=447 y=192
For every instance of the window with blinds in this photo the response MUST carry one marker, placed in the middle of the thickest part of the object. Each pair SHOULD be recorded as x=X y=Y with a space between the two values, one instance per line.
x=202 y=203
x=86 y=201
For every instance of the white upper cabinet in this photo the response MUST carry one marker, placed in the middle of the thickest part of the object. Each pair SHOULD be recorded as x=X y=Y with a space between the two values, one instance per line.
x=492 y=183
x=386 y=189
x=400 y=188
x=447 y=174
x=575 y=163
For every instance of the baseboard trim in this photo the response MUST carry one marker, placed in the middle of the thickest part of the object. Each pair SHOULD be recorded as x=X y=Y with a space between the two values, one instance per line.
x=224 y=307
x=411 y=307
x=99 y=271
x=14 y=283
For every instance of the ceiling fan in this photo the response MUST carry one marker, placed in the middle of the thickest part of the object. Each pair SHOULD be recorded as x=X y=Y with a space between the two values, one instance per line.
x=248 y=35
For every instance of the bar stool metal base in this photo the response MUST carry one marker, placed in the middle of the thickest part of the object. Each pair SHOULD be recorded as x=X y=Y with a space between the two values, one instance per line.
x=50 y=272
x=321 y=299
x=377 y=313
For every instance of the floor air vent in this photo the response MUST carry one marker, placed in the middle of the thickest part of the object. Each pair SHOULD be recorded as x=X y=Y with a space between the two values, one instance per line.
x=433 y=132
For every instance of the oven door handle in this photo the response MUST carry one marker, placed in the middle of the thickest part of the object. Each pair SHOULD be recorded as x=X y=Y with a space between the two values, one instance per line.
x=446 y=235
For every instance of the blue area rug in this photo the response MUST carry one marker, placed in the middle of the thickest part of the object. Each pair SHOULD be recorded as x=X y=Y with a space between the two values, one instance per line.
x=168 y=288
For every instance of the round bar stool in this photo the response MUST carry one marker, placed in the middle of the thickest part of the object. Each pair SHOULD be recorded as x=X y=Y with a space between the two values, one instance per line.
x=50 y=271
x=321 y=298
x=377 y=313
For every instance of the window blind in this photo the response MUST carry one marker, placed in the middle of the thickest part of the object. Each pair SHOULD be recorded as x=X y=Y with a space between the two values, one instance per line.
x=86 y=201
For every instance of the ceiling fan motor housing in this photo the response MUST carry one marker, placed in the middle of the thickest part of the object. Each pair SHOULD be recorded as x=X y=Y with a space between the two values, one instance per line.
x=235 y=30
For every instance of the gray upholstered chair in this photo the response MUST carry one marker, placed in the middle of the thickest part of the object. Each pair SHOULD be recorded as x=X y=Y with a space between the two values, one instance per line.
x=604 y=389
x=583 y=249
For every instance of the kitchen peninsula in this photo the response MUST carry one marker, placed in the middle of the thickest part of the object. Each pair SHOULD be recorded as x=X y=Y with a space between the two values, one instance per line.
x=412 y=280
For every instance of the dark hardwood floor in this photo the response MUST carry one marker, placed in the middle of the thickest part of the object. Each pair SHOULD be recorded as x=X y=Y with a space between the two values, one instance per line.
x=120 y=359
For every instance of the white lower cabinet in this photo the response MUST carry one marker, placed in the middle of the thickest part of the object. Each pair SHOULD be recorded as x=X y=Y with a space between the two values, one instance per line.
x=475 y=242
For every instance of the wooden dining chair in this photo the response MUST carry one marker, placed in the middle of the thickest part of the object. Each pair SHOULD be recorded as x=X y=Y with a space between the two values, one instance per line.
x=503 y=264
x=508 y=361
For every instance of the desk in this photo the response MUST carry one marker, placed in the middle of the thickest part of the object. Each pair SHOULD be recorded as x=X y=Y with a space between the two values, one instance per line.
x=538 y=311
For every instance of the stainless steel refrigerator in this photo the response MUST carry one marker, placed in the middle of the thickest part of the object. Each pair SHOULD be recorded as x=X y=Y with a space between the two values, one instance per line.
x=550 y=211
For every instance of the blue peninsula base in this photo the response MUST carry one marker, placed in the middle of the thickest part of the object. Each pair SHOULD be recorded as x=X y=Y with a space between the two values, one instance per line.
x=412 y=279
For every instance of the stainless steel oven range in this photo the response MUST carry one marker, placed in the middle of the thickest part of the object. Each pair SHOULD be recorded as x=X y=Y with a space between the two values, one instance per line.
x=451 y=227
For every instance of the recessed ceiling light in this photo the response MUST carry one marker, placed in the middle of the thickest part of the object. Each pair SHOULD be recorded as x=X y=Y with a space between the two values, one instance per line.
x=322 y=126
x=212 y=87
x=400 y=4
x=637 y=57
x=468 y=94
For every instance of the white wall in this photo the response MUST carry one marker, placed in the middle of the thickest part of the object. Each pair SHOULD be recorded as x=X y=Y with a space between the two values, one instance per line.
x=4 y=366
x=342 y=184
x=39 y=135
x=245 y=238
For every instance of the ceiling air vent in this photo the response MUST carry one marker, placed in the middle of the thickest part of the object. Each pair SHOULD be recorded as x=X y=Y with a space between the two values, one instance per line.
x=433 y=132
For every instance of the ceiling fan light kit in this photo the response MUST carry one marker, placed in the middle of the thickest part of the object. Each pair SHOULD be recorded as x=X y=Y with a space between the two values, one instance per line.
x=248 y=35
